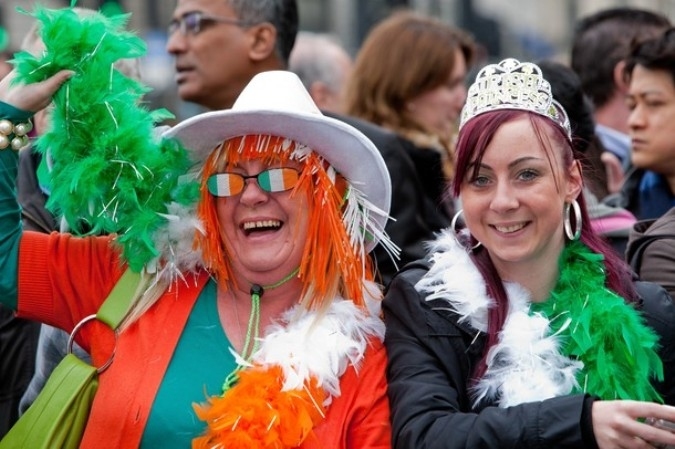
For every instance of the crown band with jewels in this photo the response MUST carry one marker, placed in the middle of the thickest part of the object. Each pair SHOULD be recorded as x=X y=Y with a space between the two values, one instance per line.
x=512 y=84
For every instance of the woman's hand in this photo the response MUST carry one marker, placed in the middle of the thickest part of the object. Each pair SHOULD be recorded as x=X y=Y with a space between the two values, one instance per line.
x=616 y=425
x=31 y=97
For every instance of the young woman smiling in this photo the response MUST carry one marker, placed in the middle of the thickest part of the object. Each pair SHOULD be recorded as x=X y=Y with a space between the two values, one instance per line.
x=524 y=329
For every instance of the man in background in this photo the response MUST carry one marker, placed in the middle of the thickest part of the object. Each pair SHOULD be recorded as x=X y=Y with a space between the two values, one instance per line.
x=323 y=65
x=600 y=44
x=219 y=45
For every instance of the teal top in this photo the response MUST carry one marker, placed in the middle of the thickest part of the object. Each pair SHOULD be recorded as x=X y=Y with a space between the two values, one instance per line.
x=201 y=362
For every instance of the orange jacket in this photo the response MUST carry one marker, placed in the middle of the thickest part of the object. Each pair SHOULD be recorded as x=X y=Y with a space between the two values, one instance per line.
x=63 y=279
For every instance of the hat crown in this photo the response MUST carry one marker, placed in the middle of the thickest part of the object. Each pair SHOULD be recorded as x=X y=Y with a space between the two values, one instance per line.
x=276 y=90
x=276 y=103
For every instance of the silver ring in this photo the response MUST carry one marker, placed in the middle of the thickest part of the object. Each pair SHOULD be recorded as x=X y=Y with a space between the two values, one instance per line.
x=71 y=340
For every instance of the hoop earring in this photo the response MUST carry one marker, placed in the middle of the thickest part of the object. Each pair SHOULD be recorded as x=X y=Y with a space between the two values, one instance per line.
x=453 y=225
x=572 y=235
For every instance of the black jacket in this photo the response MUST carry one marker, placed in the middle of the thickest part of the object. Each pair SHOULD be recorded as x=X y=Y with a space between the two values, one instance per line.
x=18 y=343
x=429 y=167
x=432 y=357
x=416 y=219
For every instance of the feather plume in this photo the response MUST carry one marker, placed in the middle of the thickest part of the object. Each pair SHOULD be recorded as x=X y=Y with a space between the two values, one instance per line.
x=280 y=396
x=260 y=414
x=564 y=345
x=293 y=342
x=451 y=262
x=109 y=171
x=620 y=361
x=526 y=365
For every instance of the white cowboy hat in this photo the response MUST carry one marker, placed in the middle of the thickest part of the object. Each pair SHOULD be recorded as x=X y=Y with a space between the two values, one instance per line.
x=276 y=103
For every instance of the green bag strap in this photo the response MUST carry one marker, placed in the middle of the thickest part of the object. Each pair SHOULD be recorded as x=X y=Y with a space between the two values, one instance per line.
x=119 y=301
x=60 y=412
x=115 y=307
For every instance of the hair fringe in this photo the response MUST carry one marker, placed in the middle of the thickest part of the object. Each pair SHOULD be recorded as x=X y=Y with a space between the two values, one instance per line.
x=331 y=264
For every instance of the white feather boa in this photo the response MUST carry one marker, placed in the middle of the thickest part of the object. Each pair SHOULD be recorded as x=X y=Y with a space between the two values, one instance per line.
x=527 y=364
x=321 y=344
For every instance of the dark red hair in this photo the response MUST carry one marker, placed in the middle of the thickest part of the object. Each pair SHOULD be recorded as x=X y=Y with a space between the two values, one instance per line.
x=472 y=142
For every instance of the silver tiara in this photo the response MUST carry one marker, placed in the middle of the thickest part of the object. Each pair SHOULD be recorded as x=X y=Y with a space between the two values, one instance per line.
x=512 y=84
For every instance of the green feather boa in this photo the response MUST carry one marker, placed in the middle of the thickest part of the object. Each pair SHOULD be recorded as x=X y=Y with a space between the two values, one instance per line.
x=108 y=170
x=609 y=336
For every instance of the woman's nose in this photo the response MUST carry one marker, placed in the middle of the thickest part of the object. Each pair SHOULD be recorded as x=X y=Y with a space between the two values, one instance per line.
x=504 y=198
x=253 y=194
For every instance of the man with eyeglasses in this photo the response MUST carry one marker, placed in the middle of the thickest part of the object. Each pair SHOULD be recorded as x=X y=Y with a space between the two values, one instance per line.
x=219 y=45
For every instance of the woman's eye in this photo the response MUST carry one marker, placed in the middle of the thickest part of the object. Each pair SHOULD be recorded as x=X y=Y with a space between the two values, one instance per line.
x=528 y=175
x=480 y=181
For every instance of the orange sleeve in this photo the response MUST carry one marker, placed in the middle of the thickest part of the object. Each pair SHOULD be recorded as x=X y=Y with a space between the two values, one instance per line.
x=64 y=278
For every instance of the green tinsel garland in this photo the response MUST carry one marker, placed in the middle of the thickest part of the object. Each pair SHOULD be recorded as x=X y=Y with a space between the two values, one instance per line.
x=609 y=336
x=108 y=170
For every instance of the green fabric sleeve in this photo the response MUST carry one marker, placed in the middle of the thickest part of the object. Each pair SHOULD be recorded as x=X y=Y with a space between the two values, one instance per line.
x=14 y=114
x=10 y=214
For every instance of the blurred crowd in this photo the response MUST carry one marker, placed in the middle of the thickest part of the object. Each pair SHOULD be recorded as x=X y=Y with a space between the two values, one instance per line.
x=405 y=89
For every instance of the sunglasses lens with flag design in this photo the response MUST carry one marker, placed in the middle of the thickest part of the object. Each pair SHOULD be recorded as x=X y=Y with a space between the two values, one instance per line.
x=272 y=180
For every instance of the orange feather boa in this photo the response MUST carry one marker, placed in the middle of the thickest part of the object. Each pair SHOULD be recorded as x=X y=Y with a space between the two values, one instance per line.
x=255 y=413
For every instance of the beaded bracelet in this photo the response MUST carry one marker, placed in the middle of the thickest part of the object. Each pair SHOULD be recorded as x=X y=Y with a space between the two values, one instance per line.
x=14 y=135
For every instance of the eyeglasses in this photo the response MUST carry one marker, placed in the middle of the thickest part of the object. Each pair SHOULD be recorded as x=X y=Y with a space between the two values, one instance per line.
x=271 y=180
x=193 y=22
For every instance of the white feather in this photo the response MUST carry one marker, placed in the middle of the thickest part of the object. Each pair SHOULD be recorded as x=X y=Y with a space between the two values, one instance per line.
x=306 y=344
x=174 y=241
x=526 y=364
x=454 y=278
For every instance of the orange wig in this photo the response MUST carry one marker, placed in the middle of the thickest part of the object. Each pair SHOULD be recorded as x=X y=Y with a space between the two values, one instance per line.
x=333 y=263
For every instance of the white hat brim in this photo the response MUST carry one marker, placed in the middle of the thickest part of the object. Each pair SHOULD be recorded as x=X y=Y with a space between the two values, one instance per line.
x=348 y=150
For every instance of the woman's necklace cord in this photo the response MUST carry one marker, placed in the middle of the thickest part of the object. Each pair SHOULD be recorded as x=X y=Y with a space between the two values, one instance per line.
x=253 y=328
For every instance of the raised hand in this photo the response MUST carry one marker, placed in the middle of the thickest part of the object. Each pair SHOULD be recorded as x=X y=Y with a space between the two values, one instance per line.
x=31 y=97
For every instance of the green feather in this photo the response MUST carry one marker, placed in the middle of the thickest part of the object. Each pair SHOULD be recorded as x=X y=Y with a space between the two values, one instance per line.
x=108 y=171
x=609 y=336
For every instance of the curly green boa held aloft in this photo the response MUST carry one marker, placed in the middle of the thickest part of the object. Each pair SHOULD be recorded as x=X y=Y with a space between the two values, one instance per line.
x=108 y=169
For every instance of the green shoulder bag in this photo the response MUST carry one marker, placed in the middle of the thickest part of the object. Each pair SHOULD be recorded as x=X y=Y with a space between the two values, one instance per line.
x=59 y=415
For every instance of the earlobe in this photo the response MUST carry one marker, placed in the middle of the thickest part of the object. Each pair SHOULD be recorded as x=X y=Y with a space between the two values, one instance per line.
x=264 y=41
x=576 y=181
x=619 y=79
